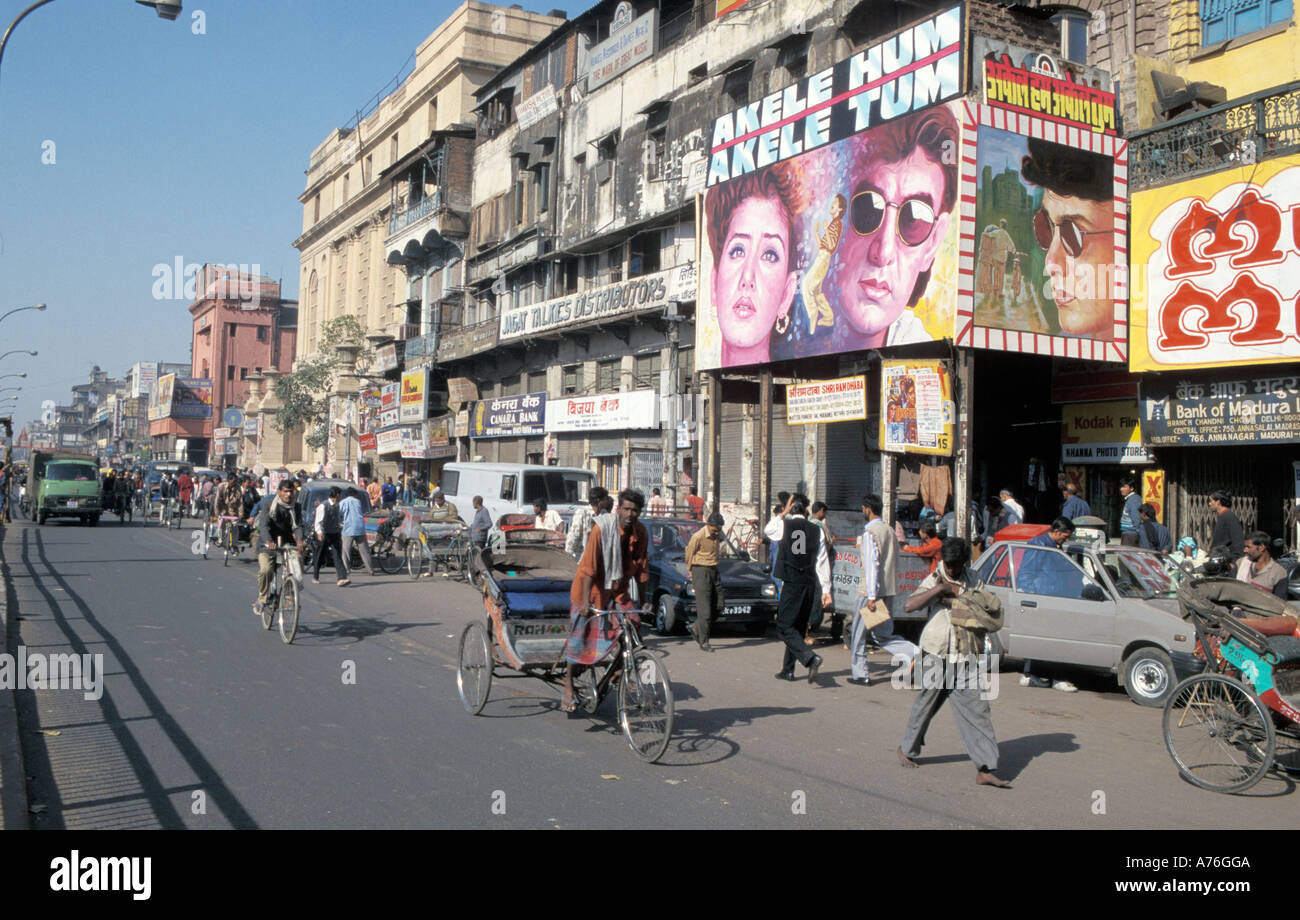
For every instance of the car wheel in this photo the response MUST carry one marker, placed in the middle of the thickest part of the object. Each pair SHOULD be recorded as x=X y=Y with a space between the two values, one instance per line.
x=1149 y=676
x=665 y=615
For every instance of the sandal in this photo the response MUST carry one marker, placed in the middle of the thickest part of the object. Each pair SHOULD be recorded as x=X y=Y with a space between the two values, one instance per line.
x=568 y=705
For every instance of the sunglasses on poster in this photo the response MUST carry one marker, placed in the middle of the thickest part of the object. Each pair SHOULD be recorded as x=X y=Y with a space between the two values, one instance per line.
x=1072 y=238
x=916 y=218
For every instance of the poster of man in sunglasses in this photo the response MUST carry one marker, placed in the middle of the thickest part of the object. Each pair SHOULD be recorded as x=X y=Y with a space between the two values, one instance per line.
x=1046 y=250
x=846 y=247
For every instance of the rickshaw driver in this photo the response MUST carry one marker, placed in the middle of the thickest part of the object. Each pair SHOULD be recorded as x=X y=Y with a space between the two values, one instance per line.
x=604 y=579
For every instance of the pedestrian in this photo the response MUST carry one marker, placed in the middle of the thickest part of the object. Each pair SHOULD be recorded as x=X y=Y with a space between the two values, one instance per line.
x=1259 y=568
x=1074 y=506
x=929 y=547
x=482 y=523
x=1227 y=528
x=875 y=593
x=1151 y=533
x=329 y=529
x=545 y=518
x=1009 y=499
x=442 y=510
x=658 y=504
x=996 y=516
x=696 y=504
x=702 y=562
x=805 y=573
x=961 y=643
x=389 y=492
x=583 y=517
x=353 y=520
x=376 y=493
x=819 y=512
x=1188 y=555
x=1129 y=517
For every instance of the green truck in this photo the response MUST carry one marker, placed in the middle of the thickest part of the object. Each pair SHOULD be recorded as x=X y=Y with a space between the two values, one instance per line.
x=65 y=483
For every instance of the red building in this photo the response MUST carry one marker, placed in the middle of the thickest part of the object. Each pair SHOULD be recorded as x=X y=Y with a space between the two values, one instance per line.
x=241 y=327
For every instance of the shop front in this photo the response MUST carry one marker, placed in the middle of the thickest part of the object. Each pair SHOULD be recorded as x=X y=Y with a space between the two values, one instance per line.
x=612 y=432
x=1101 y=445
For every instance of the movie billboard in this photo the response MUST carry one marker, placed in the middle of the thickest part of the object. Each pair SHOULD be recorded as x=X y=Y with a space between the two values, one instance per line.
x=829 y=221
x=1048 y=225
x=1216 y=270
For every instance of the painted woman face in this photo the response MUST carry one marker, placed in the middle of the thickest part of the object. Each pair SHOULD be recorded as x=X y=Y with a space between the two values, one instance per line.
x=752 y=280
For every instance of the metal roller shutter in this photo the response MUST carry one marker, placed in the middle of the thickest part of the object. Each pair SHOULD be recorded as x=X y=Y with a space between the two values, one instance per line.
x=848 y=476
x=787 y=455
x=535 y=446
x=733 y=423
x=568 y=450
x=606 y=447
x=512 y=450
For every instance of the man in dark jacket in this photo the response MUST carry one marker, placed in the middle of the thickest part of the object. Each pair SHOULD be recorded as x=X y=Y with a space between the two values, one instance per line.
x=804 y=570
x=329 y=536
x=277 y=524
x=1227 y=528
x=1151 y=533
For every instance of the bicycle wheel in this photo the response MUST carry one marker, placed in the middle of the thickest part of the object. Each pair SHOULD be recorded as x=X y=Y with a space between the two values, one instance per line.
x=272 y=604
x=390 y=561
x=288 y=610
x=1218 y=733
x=474 y=668
x=227 y=542
x=414 y=559
x=645 y=706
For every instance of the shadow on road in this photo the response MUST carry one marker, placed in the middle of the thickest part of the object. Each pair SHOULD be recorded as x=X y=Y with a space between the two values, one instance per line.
x=1015 y=755
x=350 y=631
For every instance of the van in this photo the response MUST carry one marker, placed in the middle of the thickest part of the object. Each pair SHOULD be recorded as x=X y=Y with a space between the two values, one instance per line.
x=67 y=484
x=511 y=488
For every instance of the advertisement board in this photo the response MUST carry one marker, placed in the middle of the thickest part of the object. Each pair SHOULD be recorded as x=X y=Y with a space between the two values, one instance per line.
x=385 y=358
x=192 y=398
x=1216 y=269
x=606 y=412
x=369 y=442
x=414 y=398
x=461 y=390
x=846 y=576
x=389 y=400
x=841 y=400
x=507 y=416
x=625 y=47
x=1153 y=492
x=624 y=298
x=1049 y=230
x=536 y=107
x=1032 y=83
x=388 y=440
x=1249 y=409
x=1103 y=432
x=814 y=238
x=917 y=410
x=160 y=400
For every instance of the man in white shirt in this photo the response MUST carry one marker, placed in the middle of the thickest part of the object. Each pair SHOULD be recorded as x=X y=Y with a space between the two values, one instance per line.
x=547 y=519
x=803 y=567
x=1010 y=501
x=879 y=585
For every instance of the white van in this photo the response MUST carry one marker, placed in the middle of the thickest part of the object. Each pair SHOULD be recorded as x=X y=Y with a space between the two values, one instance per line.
x=511 y=488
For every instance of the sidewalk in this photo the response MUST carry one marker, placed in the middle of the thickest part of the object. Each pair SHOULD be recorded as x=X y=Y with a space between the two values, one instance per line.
x=13 y=786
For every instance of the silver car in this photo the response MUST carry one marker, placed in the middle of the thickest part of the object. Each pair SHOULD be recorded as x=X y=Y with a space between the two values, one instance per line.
x=1103 y=606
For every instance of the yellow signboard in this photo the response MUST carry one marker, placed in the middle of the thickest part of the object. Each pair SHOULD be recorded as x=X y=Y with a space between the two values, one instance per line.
x=1153 y=491
x=1216 y=270
x=916 y=407
x=1102 y=432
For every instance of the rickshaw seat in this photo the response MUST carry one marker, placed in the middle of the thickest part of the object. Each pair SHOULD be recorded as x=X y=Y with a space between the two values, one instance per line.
x=1287 y=648
x=1271 y=626
x=537 y=603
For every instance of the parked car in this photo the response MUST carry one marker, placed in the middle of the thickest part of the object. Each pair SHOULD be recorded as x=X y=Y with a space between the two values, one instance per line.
x=1108 y=607
x=748 y=592
x=511 y=488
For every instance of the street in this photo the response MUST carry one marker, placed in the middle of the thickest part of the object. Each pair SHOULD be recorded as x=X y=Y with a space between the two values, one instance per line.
x=208 y=721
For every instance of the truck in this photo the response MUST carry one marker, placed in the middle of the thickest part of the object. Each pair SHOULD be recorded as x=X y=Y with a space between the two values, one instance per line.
x=65 y=483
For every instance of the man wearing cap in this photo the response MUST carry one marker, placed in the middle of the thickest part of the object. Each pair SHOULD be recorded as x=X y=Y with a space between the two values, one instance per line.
x=702 y=560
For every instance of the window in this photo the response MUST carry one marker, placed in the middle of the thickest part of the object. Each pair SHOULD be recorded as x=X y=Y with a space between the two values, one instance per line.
x=392 y=149
x=572 y=380
x=543 y=184
x=1040 y=570
x=230 y=329
x=243 y=373
x=1225 y=19
x=656 y=153
x=263 y=334
x=368 y=169
x=537 y=382
x=557 y=67
x=614 y=263
x=997 y=572
x=1074 y=36
x=571 y=276
x=433 y=114
x=508 y=488
x=607 y=149
x=793 y=58
x=347 y=178
x=735 y=89
x=315 y=208
x=643 y=255
x=647 y=369
x=696 y=75
x=609 y=375
x=230 y=372
x=685 y=369
x=510 y=386
x=519 y=202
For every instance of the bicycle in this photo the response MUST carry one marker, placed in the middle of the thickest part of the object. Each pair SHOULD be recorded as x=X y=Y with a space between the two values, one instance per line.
x=231 y=543
x=745 y=534
x=452 y=554
x=283 y=599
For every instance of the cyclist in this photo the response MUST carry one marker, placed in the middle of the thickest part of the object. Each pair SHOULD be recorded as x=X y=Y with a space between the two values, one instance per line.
x=125 y=489
x=277 y=523
x=184 y=490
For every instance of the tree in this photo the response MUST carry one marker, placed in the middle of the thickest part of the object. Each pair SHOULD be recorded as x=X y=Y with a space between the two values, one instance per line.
x=304 y=393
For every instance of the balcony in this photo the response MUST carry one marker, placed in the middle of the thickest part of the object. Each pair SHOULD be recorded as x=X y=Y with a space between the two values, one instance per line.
x=1236 y=134
x=403 y=219
x=416 y=231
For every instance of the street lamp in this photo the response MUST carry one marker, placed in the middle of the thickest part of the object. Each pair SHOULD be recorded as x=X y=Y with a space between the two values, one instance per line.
x=39 y=306
x=3 y=376
x=166 y=9
x=3 y=389
x=18 y=351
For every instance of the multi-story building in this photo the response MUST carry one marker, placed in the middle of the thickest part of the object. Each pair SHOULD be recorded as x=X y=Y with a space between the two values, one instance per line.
x=387 y=202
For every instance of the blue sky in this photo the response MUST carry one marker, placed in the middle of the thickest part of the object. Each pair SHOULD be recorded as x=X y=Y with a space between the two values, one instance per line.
x=166 y=144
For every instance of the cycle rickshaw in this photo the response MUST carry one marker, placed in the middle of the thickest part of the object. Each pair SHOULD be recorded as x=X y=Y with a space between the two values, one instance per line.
x=1228 y=726
x=525 y=581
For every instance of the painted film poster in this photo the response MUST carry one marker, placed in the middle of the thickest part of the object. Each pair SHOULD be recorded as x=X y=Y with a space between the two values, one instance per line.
x=917 y=413
x=1216 y=270
x=829 y=222
x=1044 y=209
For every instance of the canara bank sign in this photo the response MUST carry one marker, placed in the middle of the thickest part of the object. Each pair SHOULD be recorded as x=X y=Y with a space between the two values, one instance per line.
x=917 y=68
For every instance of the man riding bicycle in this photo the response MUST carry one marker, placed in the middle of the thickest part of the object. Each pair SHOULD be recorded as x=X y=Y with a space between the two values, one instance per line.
x=277 y=524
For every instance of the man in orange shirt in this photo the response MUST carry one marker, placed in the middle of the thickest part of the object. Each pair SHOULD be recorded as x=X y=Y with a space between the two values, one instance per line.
x=605 y=579
x=930 y=546
x=375 y=491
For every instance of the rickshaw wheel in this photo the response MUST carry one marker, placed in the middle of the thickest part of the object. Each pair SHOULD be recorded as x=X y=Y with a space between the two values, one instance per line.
x=1218 y=733
x=474 y=668
x=645 y=706
x=1286 y=749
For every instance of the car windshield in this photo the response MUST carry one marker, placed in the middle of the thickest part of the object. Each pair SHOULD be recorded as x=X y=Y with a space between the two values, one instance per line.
x=1138 y=574
x=70 y=472
x=670 y=539
x=556 y=488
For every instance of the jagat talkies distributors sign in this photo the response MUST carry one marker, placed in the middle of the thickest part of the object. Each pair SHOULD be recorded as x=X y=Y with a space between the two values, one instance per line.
x=1216 y=269
x=1103 y=432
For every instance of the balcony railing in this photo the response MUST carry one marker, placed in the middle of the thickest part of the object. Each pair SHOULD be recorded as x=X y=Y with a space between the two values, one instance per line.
x=1239 y=133
x=422 y=208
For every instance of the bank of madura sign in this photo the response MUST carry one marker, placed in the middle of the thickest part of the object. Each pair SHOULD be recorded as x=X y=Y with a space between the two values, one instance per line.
x=648 y=292
x=1247 y=410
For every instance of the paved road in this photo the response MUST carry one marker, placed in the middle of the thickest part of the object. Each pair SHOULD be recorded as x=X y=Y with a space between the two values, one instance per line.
x=208 y=721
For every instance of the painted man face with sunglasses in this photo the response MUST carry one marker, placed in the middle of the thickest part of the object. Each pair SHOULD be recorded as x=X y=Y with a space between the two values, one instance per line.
x=897 y=220
x=1075 y=226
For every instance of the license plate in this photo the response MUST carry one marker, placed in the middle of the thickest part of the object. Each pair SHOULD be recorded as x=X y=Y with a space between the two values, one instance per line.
x=737 y=610
x=72 y=504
